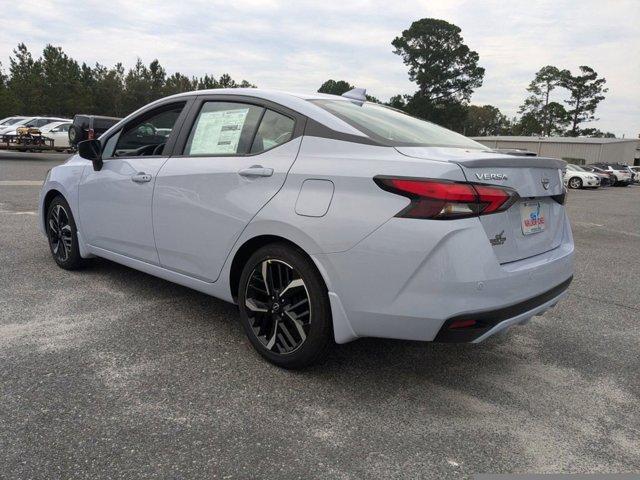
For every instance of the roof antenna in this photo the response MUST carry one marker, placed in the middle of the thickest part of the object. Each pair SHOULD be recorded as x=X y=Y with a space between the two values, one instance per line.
x=357 y=94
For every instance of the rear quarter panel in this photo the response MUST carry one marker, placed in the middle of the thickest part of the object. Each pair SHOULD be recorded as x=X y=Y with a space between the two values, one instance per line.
x=358 y=205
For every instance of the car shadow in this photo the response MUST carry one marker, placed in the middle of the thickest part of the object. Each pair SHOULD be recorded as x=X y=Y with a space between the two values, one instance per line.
x=369 y=368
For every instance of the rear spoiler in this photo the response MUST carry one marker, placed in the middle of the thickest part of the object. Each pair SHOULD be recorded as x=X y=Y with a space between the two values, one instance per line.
x=513 y=162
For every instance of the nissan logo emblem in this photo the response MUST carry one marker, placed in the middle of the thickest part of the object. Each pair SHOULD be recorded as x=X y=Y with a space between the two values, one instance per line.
x=545 y=183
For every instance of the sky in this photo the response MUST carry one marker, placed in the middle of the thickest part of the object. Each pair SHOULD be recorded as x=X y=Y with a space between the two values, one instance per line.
x=297 y=45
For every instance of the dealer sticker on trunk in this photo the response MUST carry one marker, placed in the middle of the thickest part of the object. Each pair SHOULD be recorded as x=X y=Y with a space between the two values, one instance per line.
x=533 y=220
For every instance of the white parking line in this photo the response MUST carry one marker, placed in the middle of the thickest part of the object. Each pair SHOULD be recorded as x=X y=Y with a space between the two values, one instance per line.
x=621 y=232
x=26 y=212
x=20 y=183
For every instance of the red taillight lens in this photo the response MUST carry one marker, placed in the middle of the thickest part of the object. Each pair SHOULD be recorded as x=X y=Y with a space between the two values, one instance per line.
x=442 y=199
x=91 y=135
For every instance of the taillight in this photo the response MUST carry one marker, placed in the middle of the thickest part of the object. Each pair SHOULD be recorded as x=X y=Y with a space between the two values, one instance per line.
x=91 y=135
x=445 y=200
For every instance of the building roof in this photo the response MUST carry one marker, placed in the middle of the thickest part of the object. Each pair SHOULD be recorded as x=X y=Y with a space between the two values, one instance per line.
x=507 y=138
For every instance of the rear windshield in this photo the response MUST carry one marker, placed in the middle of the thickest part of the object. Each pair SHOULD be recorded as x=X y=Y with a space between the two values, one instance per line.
x=392 y=127
x=104 y=123
x=81 y=121
x=11 y=121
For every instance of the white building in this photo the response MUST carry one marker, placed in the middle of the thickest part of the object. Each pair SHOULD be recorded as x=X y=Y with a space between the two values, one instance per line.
x=580 y=150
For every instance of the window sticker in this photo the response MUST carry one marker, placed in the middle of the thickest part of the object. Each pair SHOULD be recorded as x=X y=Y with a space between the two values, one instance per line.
x=218 y=132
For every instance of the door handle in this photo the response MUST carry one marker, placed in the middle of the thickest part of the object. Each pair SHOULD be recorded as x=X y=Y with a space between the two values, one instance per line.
x=256 y=171
x=141 y=177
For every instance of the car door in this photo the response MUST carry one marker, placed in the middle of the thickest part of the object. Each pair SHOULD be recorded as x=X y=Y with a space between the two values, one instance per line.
x=115 y=202
x=59 y=135
x=234 y=159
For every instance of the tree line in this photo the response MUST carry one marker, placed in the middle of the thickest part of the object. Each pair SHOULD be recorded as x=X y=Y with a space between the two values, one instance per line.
x=446 y=72
x=55 y=84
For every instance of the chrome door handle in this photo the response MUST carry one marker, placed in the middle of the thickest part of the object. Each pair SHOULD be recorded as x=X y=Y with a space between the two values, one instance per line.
x=256 y=171
x=141 y=177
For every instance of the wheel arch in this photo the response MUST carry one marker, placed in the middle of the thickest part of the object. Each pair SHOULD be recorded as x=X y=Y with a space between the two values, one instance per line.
x=48 y=198
x=251 y=245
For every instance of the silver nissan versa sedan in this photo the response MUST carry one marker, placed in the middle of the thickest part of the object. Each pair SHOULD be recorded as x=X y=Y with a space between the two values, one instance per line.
x=324 y=218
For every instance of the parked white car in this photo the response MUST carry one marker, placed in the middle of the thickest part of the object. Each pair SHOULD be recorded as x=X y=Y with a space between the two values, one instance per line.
x=35 y=122
x=8 y=121
x=578 y=177
x=58 y=132
x=636 y=172
x=324 y=218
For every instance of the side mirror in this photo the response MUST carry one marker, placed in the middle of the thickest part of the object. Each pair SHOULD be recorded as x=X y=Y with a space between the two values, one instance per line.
x=91 y=150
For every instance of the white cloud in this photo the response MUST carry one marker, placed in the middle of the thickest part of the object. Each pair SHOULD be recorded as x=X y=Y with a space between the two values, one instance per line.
x=297 y=45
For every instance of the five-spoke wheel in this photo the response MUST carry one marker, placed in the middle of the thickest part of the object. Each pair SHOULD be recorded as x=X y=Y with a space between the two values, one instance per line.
x=277 y=305
x=284 y=306
x=62 y=235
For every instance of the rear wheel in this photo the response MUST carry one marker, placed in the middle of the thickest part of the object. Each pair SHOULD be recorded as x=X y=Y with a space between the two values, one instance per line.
x=62 y=234
x=284 y=307
x=575 y=182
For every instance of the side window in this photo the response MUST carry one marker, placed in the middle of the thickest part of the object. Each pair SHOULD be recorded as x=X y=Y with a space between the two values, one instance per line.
x=148 y=135
x=223 y=128
x=110 y=146
x=274 y=130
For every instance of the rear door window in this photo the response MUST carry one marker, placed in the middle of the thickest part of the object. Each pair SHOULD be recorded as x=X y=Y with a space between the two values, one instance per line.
x=275 y=129
x=223 y=128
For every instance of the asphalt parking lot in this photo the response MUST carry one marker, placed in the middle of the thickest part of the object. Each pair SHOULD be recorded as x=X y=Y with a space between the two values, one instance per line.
x=111 y=373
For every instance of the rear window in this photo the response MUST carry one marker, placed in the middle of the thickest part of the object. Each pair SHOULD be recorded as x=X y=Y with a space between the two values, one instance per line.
x=104 y=123
x=81 y=121
x=392 y=127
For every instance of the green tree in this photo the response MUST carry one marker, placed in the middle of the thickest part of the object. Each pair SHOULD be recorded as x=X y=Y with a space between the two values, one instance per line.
x=7 y=99
x=485 y=120
x=62 y=89
x=450 y=114
x=445 y=69
x=550 y=115
x=26 y=81
x=109 y=93
x=179 y=83
x=439 y=62
x=334 y=87
x=586 y=91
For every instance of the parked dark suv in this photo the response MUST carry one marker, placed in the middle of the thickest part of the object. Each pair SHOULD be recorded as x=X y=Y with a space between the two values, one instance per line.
x=88 y=127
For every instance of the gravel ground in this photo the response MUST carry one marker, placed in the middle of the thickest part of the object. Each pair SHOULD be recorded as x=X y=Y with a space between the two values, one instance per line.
x=111 y=373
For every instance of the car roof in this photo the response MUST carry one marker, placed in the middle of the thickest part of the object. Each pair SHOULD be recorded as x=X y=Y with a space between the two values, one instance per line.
x=298 y=102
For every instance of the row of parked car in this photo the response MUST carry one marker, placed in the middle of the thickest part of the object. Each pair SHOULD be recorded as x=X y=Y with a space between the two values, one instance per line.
x=63 y=133
x=600 y=175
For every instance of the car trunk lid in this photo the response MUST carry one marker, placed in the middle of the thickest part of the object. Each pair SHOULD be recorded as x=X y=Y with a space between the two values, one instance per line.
x=531 y=226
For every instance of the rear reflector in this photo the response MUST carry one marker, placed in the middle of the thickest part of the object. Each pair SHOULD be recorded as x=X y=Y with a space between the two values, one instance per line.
x=462 y=324
x=445 y=200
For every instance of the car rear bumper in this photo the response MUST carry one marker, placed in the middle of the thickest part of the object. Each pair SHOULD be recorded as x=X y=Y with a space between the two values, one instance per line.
x=490 y=322
x=409 y=277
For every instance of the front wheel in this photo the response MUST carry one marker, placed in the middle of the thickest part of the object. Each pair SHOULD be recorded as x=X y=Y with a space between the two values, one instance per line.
x=284 y=307
x=575 y=182
x=63 y=235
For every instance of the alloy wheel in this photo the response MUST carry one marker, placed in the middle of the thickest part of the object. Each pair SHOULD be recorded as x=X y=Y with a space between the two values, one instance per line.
x=60 y=233
x=574 y=183
x=278 y=306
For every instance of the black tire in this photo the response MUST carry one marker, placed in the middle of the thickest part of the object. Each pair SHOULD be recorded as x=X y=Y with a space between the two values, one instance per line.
x=75 y=134
x=63 y=235
x=275 y=331
x=575 y=182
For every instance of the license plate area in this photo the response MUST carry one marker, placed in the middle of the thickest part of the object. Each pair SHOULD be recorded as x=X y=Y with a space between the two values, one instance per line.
x=532 y=218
